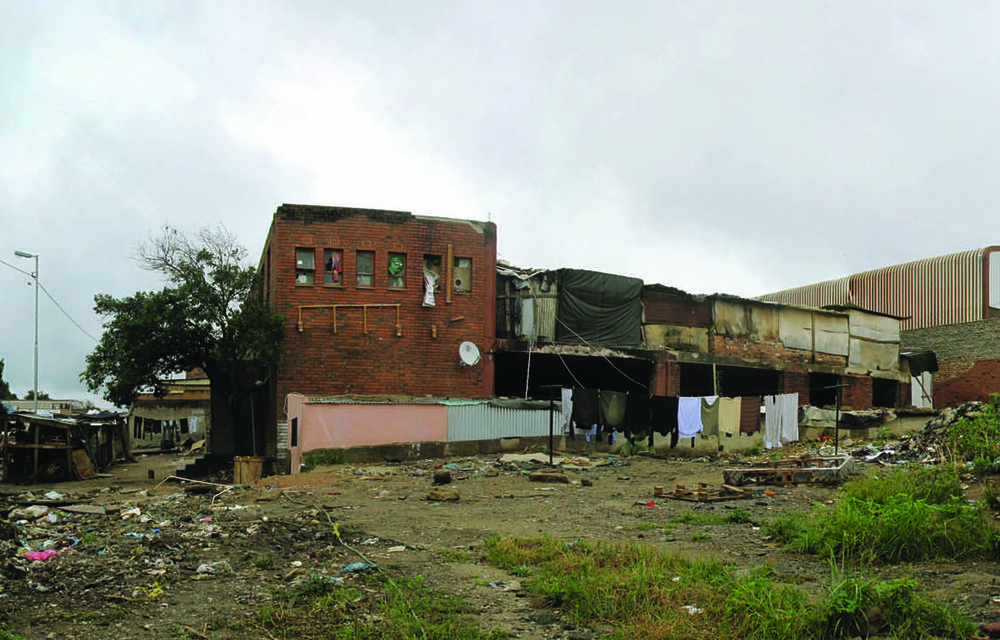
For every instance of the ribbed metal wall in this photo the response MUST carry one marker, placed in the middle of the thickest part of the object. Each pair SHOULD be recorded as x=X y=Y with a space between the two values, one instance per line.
x=948 y=289
x=484 y=421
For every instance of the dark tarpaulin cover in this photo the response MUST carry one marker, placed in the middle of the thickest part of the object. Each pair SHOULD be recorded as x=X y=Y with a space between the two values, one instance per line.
x=599 y=308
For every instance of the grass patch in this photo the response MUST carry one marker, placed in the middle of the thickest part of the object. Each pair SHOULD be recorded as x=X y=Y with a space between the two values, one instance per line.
x=453 y=555
x=737 y=516
x=915 y=513
x=376 y=606
x=322 y=458
x=645 y=593
x=265 y=563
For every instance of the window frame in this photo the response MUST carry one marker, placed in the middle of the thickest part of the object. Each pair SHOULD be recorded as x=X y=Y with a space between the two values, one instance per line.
x=302 y=271
x=328 y=254
x=388 y=266
x=467 y=289
x=358 y=273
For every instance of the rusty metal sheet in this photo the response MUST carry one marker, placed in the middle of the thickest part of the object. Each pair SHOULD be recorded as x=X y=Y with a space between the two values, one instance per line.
x=870 y=356
x=873 y=327
x=832 y=333
x=795 y=327
x=732 y=319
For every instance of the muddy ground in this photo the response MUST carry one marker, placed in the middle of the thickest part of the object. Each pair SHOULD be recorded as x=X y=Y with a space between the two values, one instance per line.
x=161 y=562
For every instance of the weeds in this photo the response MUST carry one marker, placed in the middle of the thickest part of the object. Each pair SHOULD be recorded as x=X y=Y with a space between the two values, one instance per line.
x=910 y=514
x=631 y=448
x=265 y=563
x=322 y=458
x=646 y=593
x=738 y=516
x=976 y=439
x=452 y=555
x=378 y=607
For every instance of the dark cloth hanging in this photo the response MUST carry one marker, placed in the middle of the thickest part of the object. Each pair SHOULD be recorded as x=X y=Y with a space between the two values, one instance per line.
x=585 y=408
x=749 y=414
x=663 y=417
x=613 y=405
x=637 y=413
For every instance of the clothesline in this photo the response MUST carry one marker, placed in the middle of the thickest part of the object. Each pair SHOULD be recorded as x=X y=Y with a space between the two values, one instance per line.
x=640 y=414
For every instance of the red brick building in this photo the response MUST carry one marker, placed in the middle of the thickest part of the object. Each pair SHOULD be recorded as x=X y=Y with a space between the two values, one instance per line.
x=353 y=287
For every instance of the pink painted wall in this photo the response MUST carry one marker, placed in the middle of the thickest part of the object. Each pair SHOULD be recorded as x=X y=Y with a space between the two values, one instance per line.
x=322 y=426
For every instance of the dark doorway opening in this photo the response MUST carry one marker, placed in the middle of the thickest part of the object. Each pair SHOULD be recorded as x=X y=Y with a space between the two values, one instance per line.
x=885 y=393
x=513 y=371
x=820 y=393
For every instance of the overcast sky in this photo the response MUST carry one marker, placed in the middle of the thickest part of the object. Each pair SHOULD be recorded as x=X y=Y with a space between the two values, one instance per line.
x=736 y=147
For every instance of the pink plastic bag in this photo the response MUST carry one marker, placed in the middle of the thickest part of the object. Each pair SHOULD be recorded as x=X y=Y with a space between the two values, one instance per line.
x=41 y=555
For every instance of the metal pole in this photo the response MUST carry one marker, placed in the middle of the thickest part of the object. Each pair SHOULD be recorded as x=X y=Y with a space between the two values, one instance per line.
x=36 y=334
x=836 y=425
x=25 y=254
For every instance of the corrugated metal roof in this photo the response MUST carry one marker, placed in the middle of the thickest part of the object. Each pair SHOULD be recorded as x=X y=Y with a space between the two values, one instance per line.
x=931 y=292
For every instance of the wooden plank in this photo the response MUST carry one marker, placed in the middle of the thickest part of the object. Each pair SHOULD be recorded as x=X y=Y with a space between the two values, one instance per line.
x=82 y=468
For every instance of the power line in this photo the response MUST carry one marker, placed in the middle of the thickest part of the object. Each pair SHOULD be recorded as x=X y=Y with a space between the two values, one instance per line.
x=27 y=273
x=70 y=318
x=641 y=385
x=54 y=301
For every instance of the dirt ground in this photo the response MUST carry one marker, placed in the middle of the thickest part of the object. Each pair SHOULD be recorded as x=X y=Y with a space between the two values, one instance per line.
x=161 y=562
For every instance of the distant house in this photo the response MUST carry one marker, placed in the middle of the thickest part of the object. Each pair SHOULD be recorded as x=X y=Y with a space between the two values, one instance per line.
x=184 y=412
x=949 y=305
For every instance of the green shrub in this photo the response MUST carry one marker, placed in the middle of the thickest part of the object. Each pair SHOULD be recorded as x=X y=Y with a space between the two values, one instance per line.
x=976 y=439
x=322 y=458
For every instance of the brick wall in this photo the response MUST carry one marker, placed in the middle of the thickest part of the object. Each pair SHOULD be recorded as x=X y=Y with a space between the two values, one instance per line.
x=796 y=381
x=858 y=392
x=968 y=359
x=420 y=356
x=769 y=352
x=675 y=309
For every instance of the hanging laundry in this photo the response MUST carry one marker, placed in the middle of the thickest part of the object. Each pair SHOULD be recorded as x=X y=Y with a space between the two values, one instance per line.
x=663 y=413
x=772 y=426
x=688 y=417
x=729 y=416
x=585 y=408
x=789 y=407
x=781 y=419
x=613 y=405
x=749 y=414
x=566 y=416
x=638 y=413
x=710 y=416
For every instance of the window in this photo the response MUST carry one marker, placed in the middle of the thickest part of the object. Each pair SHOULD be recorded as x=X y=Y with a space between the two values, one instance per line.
x=305 y=266
x=463 y=275
x=397 y=270
x=333 y=266
x=294 y=436
x=366 y=268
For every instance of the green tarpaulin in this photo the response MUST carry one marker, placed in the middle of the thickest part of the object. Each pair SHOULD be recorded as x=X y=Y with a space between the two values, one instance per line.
x=599 y=308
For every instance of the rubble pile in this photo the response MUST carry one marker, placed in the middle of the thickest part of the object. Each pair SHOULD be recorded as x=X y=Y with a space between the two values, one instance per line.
x=927 y=446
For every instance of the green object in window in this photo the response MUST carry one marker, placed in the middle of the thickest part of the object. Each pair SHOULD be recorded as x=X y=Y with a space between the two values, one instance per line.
x=396 y=265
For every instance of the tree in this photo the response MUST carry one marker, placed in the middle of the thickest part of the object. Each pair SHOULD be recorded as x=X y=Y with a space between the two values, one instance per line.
x=42 y=395
x=5 y=392
x=209 y=316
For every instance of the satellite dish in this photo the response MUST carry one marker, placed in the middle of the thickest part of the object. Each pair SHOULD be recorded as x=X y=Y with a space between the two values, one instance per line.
x=468 y=352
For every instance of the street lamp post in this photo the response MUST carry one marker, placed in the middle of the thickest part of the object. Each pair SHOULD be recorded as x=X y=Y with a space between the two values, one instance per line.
x=25 y=254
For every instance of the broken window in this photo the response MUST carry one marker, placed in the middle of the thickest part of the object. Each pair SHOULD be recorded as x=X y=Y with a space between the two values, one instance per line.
x=305 y=266
x=294 y=435
x=366 y=268
x=397 y=270
x=823 y=389
x=333 y=266
x=432 y=278
x=463 y=275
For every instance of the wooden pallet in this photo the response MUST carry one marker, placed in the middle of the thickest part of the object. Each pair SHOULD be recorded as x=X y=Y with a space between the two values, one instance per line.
x=703 y=493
